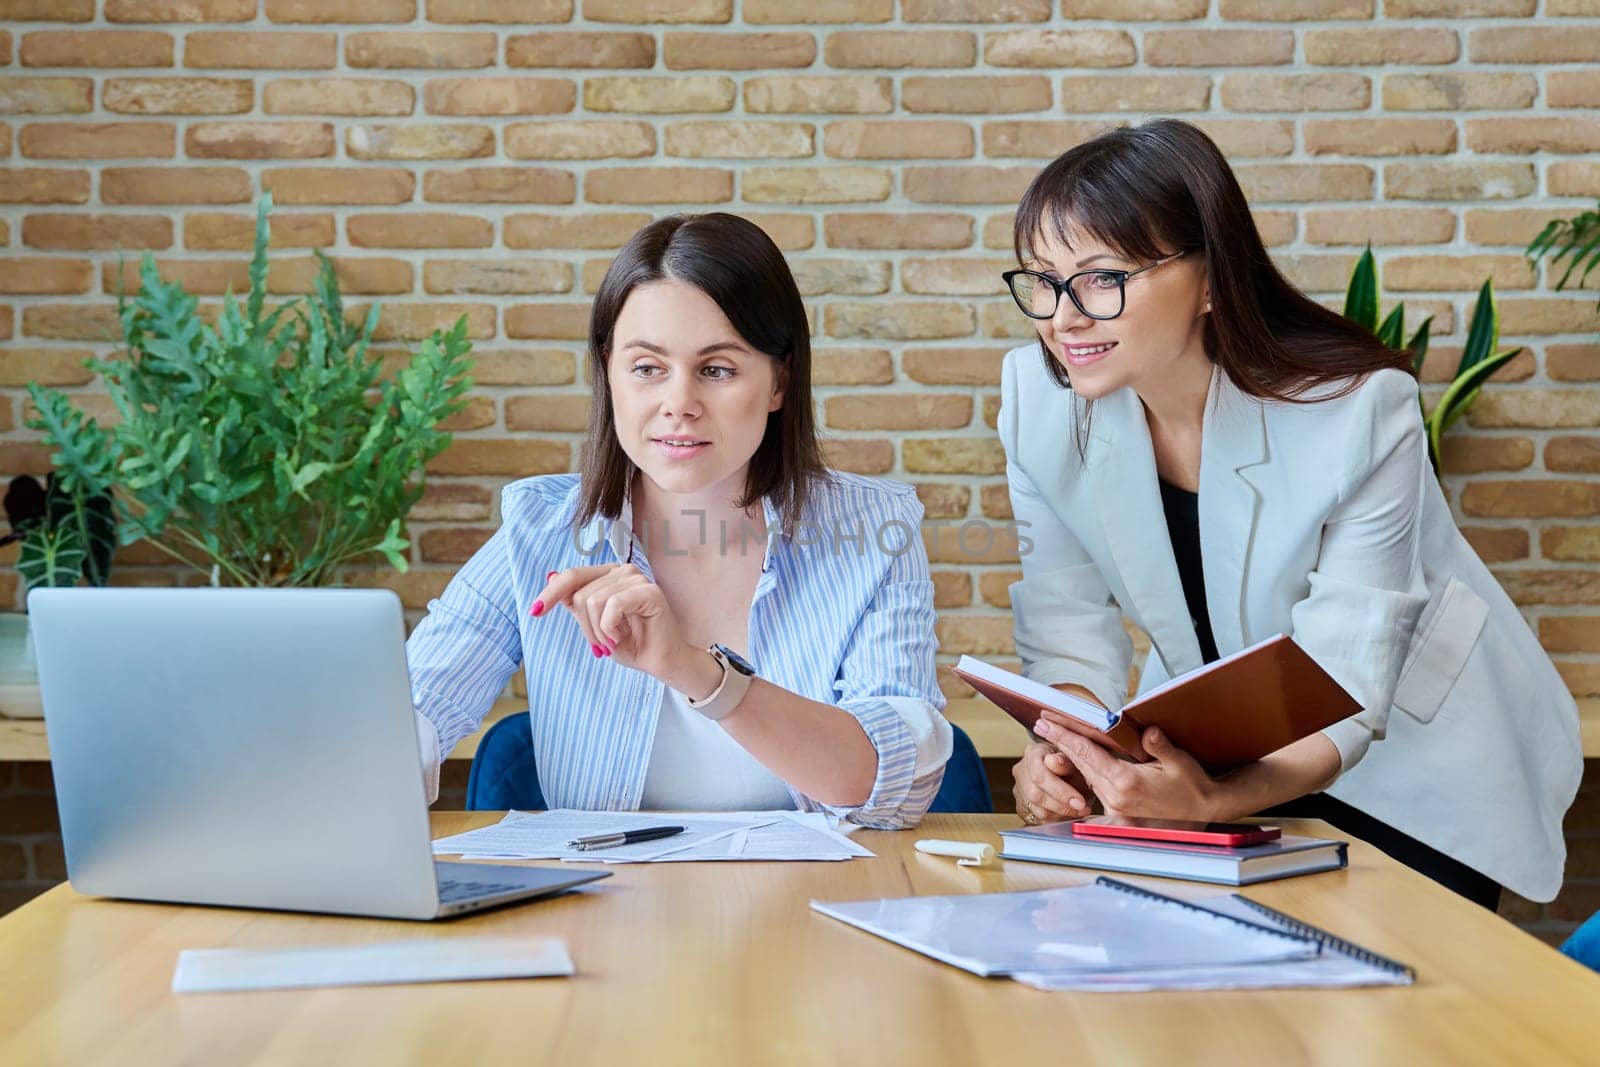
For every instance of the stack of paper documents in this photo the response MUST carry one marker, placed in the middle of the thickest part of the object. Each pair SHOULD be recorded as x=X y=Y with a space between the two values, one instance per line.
x=1113 y=936
x=734 y=835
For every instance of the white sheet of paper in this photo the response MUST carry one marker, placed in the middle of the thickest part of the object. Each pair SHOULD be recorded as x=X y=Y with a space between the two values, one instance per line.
x=790 y=835
x=441 y=959
x=544 y=835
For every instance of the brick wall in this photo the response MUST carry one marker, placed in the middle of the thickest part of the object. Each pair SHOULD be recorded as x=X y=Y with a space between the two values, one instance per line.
x=483 y=157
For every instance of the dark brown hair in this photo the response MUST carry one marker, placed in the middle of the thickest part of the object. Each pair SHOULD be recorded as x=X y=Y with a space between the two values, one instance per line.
x=735 y=263
x=1164 y=187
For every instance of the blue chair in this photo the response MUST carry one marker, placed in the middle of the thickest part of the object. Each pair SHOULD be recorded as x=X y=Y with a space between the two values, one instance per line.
x=504 y=776
x=1584 y=944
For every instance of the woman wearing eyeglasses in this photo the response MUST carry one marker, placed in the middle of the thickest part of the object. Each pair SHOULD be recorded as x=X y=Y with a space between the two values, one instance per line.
x=1195 y=444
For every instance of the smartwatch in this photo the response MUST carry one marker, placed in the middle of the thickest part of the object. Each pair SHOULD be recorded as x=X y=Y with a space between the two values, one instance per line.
x=736 y=677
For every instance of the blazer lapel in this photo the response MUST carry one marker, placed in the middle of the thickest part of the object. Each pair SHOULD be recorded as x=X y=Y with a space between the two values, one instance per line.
x=1128 y=498
x=1233 y=441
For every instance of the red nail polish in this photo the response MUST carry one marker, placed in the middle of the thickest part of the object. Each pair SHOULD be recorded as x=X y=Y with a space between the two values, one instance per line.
x=551 y=575
x=538 y=608
x=597 y=650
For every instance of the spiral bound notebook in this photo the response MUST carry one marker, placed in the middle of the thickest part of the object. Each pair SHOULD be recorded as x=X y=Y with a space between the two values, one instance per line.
x=1112 y=936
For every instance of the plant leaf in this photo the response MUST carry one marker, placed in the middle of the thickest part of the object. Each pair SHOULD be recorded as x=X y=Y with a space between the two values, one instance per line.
x=1361 y=299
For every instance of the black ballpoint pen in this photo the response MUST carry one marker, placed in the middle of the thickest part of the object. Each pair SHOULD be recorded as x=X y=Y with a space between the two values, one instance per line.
x=627 y=837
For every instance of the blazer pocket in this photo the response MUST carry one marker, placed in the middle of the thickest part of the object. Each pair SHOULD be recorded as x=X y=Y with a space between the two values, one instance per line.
x=1440 y=651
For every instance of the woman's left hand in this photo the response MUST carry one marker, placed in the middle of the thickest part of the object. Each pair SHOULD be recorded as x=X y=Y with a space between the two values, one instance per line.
x=624 y=615
x=1171 y=786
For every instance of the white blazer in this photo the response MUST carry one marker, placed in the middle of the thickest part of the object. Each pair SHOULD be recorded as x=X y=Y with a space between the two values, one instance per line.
x=1322 y=521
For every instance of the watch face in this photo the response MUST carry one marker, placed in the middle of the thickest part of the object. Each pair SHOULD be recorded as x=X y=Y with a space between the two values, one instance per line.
x=736 y=661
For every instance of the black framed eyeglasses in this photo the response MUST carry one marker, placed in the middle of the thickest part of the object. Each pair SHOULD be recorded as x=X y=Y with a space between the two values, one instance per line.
x=1099 y=294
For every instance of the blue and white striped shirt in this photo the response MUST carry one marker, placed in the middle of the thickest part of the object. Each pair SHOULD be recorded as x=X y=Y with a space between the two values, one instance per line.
x=842 y=614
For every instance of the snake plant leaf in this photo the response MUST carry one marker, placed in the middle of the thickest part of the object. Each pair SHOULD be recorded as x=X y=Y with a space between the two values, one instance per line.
x=1460 y=393
x=1418 y=345
x=1483 y=336
x=1393 y=328
x=1361 y=299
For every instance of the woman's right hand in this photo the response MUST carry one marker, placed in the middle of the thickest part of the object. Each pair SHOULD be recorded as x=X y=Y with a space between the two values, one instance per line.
x=1048 y=788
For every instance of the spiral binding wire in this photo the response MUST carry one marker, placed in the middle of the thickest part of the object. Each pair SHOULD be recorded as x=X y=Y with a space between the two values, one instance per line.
x=1338 y=944
x=1141 y=891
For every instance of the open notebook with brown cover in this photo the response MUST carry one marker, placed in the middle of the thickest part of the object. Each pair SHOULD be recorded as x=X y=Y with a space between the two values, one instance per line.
x=1226 y=714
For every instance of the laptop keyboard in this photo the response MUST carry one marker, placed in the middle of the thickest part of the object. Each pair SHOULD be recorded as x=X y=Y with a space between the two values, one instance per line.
x=453 y=890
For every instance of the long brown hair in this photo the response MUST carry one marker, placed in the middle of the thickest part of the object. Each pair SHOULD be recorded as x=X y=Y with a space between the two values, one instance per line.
x=1163 y=187
x=735 y=263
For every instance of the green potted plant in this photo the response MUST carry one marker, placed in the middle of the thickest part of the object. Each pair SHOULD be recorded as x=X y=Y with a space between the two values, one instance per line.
x=265 y=449
x=1479 y=357
x=1576 y=240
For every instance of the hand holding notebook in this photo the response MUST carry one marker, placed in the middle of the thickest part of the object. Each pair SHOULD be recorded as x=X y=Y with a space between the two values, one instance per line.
x=1226 y=714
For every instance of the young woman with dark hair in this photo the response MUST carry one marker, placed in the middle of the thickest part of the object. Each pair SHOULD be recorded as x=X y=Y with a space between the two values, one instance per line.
x=707 y=617
x=1197 y=445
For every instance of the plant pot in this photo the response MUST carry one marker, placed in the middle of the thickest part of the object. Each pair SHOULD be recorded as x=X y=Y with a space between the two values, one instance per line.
x=19 y=674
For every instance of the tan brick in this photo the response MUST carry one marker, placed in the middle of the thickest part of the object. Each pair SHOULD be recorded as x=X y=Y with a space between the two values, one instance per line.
x=1535 y=315
x=768 y=12
x=1458 y=92
x=548 y=321
x=1380 y=226
x=976 y=94
x=338 y=96
x=1250 y=138
x=966 y=184
x=202 y=277
x=523 y=367
x=661 y=96
x=96 y=48
x=1456 y=273
x=1535 y=408
x=1570 y=633
x=740 y=140
x=658 y=11
x=71 y=322
x=853 y=454
x=338 y=185
x=496 y=277
x=1531 y=498
x=848 y=277
x=1565 y=544
x=898 y=320
x=790 y=231
x=180 y=11
x=591 y=50
x=814 y=185
x=1380 y=137
x=1376 y=47
x=1142 y=93
x=1001 y=319
x=1526 y=135
x=949 y=276
x=1307 y=10
x=414 y=322
x=1275 y=227
x=499 y=96
x=1457 y=181
x=1573 y=179
x=64 y=232
x=1144 y=10
x=1314 y=273
x=953 y=366
x=499 y=185
x=516 y=458
x=994 y=587
x=944 y=500
x=416 y=141
x=998 y=231
x=419 y=230
x=580 y=140
x=179 y=96
x=658 y=185
x=436 y=51
x=174 y=185
x=891 y=231
x=499 y=11
x=598 y=230
x=1496 y=545
x=1582 y=8
x=975 y=10
x=259 y=140
x=260 y=49
x=36 y=95
x=951 y=589
x=846 y=366
x=44 y=275
x=1471 y=453
x=451 y=502
x=47 y=366
x=897 y=139
x=1534 y=44
x=1572 y=88
x=837 y=93
x=900 y=49
x=340 y=10
x=738 y=51
x=1218 y=48
x=48 y=10
x=1296 y=92
x=1036 y=139
x=974 y=541
x=98 y=140
x=211 y=231
x=1580 y=455
x=1295 y=182
x=358 y=275
x=478 y=414
x=1435 y=9
x=567 y=413
x=1059 y=48
x=1572 y=363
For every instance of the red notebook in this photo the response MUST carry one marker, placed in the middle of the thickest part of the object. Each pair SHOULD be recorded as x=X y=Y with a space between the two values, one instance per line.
x=1226 y=714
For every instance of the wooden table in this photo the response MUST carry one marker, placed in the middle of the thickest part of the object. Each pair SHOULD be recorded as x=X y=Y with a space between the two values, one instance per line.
x=723 y=963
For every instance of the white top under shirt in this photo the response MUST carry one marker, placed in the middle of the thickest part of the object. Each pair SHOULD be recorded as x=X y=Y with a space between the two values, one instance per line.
x=695 y=766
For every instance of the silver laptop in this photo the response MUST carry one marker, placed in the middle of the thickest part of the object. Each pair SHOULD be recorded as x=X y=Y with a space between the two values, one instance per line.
x=248 y=747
